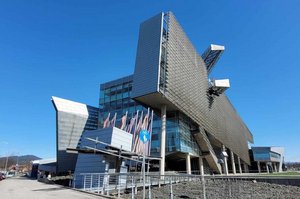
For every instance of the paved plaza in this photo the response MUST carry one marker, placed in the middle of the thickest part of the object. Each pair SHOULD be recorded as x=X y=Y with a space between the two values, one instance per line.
x=24 y=188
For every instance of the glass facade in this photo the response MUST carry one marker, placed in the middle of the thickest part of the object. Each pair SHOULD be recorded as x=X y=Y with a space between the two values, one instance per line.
x=115 y=97
x=265 y=155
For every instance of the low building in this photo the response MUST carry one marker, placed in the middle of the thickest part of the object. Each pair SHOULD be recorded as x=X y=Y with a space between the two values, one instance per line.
x=43 y=167
x=267 y=159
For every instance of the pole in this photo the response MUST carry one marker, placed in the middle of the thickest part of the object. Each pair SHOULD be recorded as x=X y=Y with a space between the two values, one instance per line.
x=171 y=189
x=6 y=163
x=163 y=141
x=17 y=166
x=132 y=188
x=144 y=188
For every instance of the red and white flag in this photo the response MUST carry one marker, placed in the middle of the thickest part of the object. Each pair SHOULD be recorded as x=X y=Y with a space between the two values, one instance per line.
x=113 y=120
x=137 y=133
x=123 y=121
x=106 y=121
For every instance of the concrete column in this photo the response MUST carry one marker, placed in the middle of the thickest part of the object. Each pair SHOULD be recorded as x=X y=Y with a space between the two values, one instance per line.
x=225 y=160
x=163 y=140
x=274 y=167
x=188 y=164
x=201 y=168
x=267 y=167
x=232 y=162
x=258 y=166
x=240 y=166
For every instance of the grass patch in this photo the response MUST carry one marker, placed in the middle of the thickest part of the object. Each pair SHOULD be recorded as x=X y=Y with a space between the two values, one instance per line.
x=290 y=173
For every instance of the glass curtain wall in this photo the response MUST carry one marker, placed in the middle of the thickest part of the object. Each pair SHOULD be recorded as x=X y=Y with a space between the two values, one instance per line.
x=115 y=98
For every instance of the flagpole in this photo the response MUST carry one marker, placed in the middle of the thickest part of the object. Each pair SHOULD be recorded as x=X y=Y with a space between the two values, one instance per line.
x=150 y=131
x=144 y=187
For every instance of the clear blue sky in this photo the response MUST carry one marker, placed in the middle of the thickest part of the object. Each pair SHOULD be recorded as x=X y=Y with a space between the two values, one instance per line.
x=67 y=48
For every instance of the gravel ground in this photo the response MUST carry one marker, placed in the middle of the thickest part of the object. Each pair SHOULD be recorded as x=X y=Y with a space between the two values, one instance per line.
x=220 y=189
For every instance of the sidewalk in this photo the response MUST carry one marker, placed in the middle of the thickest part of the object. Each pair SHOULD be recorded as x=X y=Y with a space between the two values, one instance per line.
x=24 y=188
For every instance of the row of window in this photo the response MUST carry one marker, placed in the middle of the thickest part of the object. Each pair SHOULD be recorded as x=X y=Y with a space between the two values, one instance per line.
x=114 y=97
x=117 y=88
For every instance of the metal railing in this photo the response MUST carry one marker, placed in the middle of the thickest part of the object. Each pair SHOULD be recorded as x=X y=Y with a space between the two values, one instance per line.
x=129 y=185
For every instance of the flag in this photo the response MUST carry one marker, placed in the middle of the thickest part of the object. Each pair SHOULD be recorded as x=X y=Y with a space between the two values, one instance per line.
x=137 y=132
x=144 y=146
x=132 y=123
x=106 y=122
x=140 y=148
x=113 y=120
x=150 y=131
x=123 y=121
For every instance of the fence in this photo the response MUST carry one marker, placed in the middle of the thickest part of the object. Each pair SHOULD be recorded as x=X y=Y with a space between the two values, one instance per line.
x=130 y=185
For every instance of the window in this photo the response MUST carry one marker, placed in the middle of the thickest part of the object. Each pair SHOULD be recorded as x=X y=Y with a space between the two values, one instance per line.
x=119 y=96
x=125 y=94
x=113 y=97
x=154 y=137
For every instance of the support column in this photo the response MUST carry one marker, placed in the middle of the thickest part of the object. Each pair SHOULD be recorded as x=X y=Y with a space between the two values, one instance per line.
x=201 y=168
x=163 y=140
x=232 y=162
x=240 y=166
x=258 y=166
x=225 y=160
x=274 y=166
x=188 y=164
x=267 y=167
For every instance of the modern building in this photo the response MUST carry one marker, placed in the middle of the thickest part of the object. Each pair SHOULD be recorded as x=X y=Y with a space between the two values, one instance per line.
x=195 y=127
x=42 y=168
x=171 y=76
x=115 y=97
x=267 y=159
x=72 y=118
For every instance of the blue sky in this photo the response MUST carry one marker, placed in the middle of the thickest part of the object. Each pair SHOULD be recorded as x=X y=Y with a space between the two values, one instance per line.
x=67 y=48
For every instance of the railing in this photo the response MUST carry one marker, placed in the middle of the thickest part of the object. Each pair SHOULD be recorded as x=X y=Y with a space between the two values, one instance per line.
x=130 y=185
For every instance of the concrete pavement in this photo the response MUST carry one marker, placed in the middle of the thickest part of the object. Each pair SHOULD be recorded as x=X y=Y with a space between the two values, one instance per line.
x=24 y=188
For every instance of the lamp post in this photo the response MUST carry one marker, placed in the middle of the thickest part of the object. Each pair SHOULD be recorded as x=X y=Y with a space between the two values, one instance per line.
x=6 y=163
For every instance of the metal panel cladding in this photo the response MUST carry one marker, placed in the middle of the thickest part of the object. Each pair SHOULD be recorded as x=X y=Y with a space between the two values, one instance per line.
x=72 y=118
x=148 y=57
x=187 y=88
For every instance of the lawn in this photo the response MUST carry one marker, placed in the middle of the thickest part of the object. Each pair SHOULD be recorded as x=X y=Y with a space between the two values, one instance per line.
x=289 y=173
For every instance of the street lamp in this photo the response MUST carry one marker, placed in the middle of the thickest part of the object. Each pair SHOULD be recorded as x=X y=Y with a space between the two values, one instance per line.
x=6 y=163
